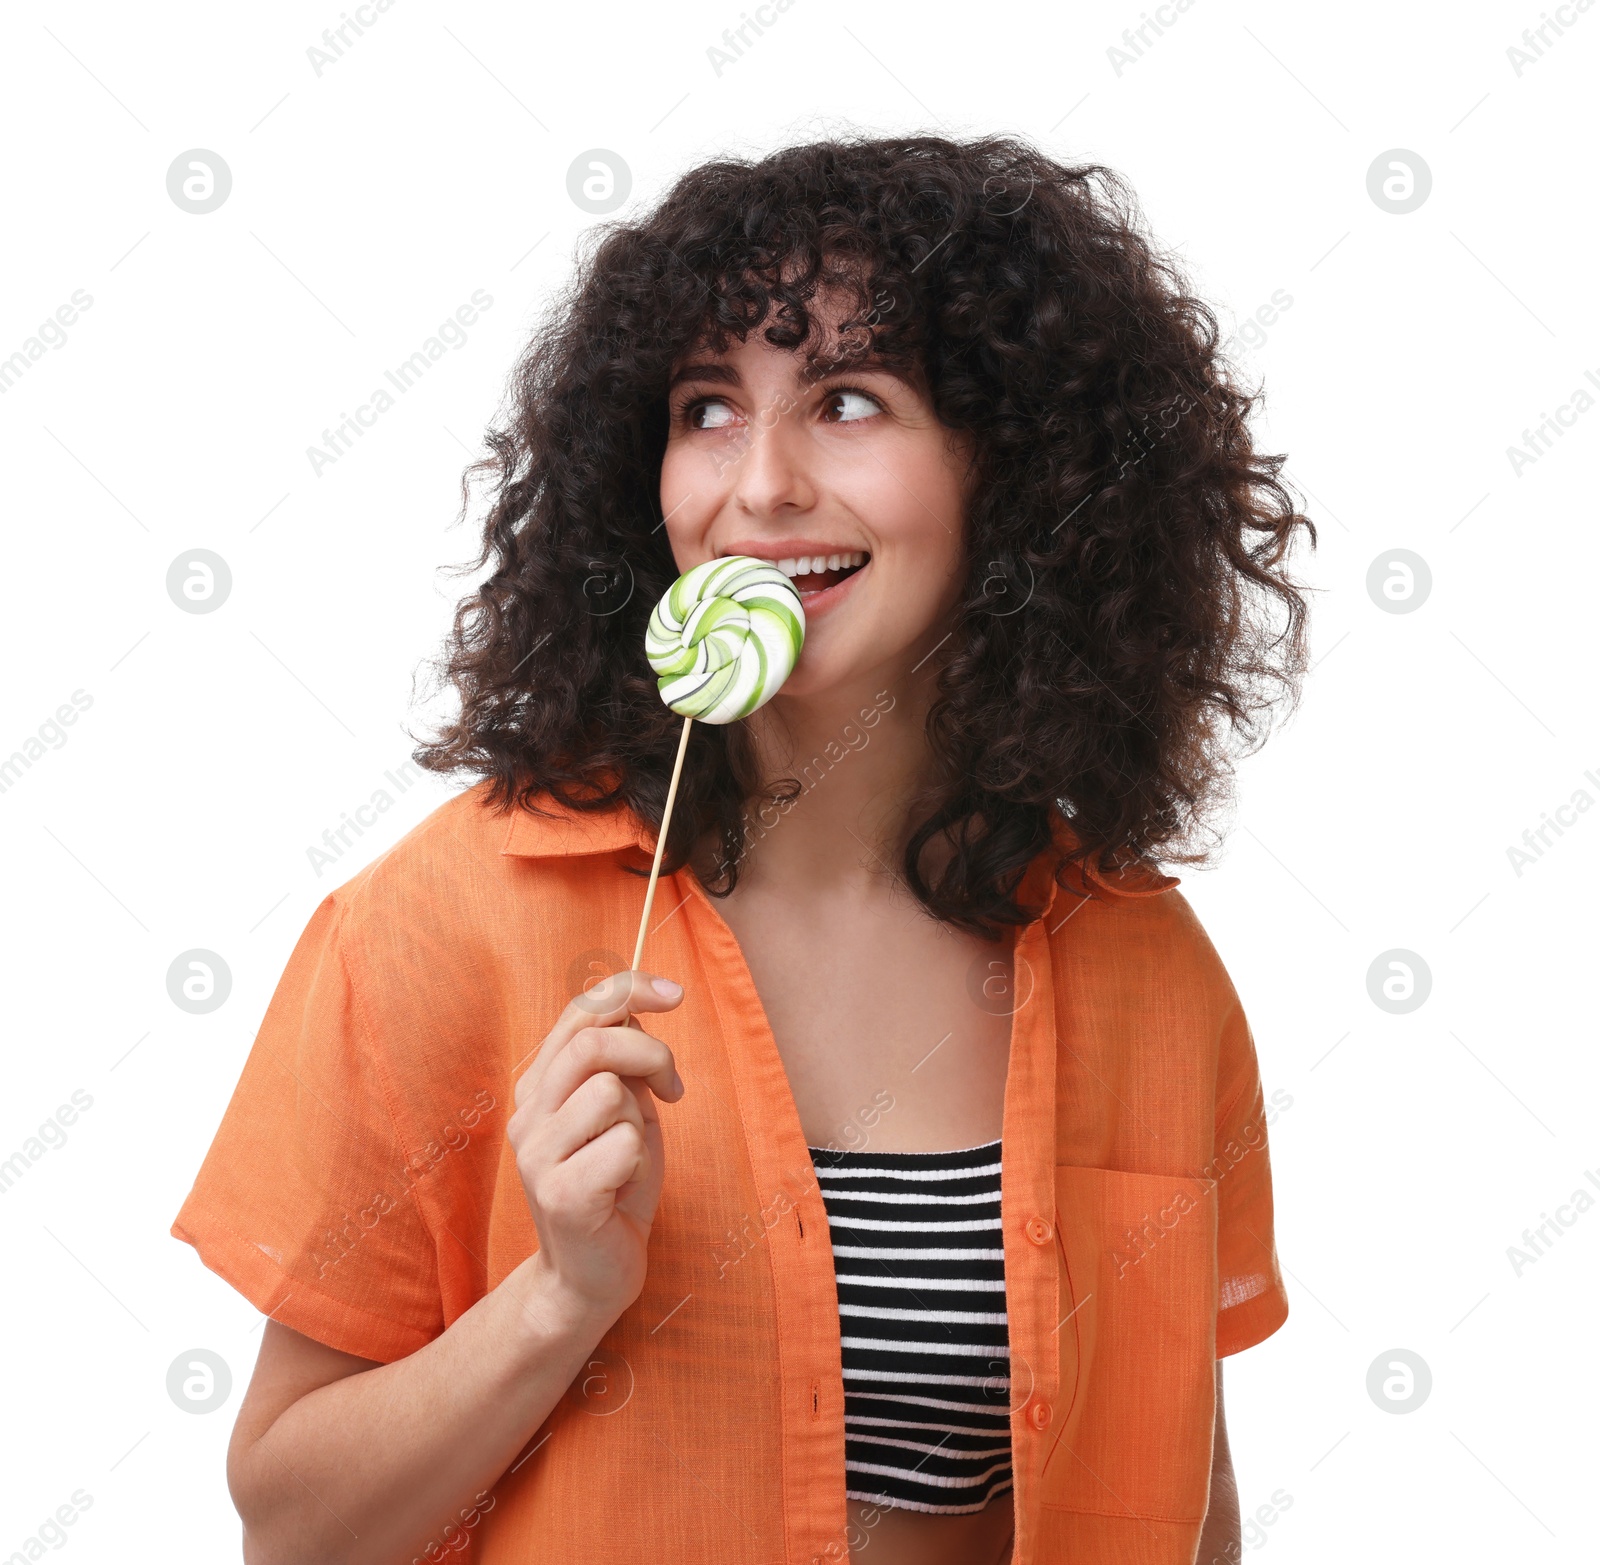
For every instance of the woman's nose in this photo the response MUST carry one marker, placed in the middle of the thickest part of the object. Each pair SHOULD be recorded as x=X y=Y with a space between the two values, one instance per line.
x=775 y=467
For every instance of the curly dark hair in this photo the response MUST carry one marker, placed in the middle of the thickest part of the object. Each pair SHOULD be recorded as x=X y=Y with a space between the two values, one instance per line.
x=1124 y=540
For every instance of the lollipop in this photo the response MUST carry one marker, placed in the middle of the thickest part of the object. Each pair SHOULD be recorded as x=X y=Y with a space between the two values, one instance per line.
x=722 y=641
x=725 y=637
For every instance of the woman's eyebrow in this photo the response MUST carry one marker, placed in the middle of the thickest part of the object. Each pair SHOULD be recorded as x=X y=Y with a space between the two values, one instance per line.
x=852 y=360
x=710 y=369
x=815 y=367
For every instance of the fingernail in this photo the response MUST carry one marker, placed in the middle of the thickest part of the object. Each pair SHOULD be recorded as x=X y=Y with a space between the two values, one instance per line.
x=665 y=986
x=677 y=1078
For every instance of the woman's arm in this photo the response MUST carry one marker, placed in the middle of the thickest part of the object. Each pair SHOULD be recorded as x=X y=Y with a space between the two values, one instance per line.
x=1220 y=1542
x=346 y=1461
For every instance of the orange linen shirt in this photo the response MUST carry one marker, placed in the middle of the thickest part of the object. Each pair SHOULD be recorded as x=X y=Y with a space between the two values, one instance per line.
x=360 y=1189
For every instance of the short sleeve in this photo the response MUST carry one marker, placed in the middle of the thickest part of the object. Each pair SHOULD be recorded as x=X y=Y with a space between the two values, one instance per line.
x=304 y=1202
x=1251 y=1300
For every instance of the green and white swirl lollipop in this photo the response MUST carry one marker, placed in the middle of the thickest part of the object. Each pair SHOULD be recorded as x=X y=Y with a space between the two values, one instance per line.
x=725 y=637
x=722 y=640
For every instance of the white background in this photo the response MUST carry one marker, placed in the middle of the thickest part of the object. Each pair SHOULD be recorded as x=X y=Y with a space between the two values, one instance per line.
x=431 y=160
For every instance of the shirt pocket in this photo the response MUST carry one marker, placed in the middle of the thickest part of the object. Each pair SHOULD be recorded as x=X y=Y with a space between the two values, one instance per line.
x=1137 y=1256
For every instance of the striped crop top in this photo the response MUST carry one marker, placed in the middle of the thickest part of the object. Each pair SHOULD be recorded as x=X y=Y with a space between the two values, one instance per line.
x=920 y=1267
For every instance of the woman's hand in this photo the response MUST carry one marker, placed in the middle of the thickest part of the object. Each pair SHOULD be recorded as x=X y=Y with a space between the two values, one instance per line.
x=587 y=1140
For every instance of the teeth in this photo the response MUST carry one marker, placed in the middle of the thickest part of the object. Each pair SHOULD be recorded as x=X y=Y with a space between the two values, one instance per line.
x=815 y=564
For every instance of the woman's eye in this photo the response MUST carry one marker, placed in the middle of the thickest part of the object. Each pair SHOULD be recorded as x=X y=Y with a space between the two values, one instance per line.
x=707 y=413
x=858 y=405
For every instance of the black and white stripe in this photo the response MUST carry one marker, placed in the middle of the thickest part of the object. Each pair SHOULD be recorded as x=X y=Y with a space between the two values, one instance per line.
x=919 y=1260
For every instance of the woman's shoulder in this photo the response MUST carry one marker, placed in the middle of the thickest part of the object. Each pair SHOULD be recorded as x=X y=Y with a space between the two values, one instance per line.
x=474 y=886
x=1137 y=919
x=470 y=845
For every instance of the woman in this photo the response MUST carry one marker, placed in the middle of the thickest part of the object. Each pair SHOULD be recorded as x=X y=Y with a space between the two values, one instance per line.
x=960 y=1189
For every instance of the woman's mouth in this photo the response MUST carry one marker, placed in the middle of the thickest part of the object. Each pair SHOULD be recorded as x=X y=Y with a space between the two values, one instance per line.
x=819 y=576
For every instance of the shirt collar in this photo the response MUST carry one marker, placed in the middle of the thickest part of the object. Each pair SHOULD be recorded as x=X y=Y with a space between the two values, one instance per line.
x=562 y=831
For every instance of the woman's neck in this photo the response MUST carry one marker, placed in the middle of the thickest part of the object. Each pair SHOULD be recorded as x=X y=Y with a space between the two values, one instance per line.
x=861 y=756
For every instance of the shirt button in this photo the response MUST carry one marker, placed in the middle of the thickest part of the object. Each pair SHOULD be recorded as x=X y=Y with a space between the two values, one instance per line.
x=1039 y=1413
x=1039 y=1230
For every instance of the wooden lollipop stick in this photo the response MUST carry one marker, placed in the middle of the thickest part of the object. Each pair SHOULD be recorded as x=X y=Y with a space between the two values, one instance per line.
x=661 y=843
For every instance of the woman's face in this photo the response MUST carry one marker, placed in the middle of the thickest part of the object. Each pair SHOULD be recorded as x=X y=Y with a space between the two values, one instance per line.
x=769 y=456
